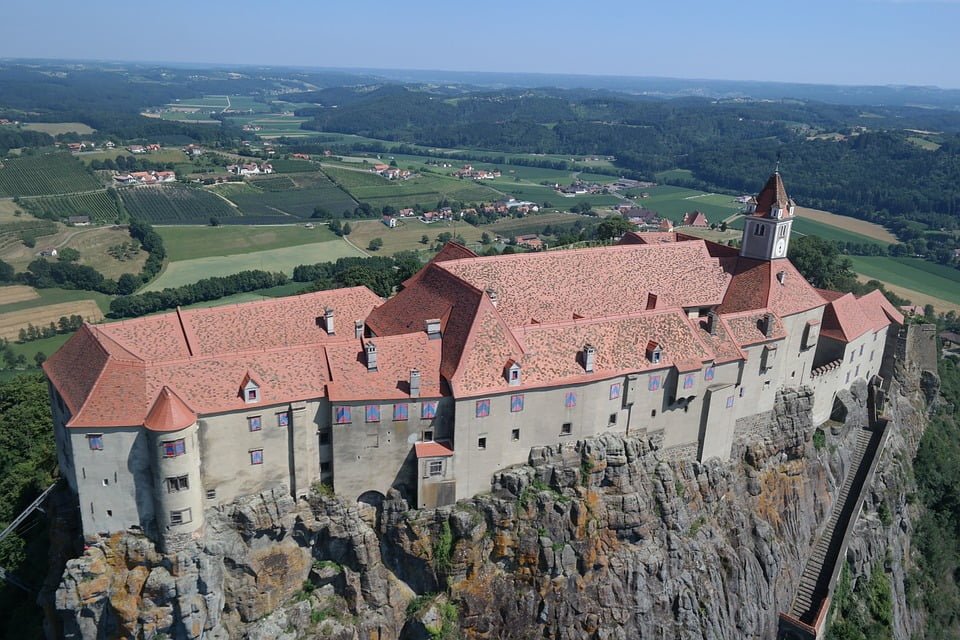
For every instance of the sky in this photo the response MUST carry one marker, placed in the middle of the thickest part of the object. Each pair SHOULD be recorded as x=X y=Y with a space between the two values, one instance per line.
x=830 y=42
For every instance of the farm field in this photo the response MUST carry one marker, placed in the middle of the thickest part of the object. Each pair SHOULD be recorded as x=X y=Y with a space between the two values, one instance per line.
x=94 y=245
x=16 y=293
x=164 y=155
x=47 y=297
x=535 y=223
x=97 y=204
x=808 y=226
x=541 y=194
x=46 y=346
x=426 y=190
x=912 y=274
x=12 y=321
x=673 y=202
x=189 y=243
x=274 y=125
x=285 y=259
x=406 y=236
x=282 y=165
x=854 y=225
x=298 y=203
x=915 y=297
x=48 y=174
x=56 y=128
x=174 y=204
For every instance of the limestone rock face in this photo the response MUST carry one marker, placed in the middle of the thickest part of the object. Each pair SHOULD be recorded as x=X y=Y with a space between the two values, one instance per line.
x=607 y=538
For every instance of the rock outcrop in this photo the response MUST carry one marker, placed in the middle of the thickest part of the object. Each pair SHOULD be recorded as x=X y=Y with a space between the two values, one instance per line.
x=606 y=538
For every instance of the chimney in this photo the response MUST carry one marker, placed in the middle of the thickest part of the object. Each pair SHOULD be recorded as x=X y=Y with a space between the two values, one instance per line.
x=589 y=358
x=492 y=293
x=414 y=383
x=328 y=321
x=433 y=328
x=712 y=320
x=358 y=328
x=651 y=301
x=766 y=325
x=781 y=276
x=371 y=350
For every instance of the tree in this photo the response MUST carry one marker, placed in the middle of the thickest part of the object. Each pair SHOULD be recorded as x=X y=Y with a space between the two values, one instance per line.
x=347 y=228
x=820 y=262
x=444 y=237
x=485 y=238
x=7 y=271
x=423 y=240
x=613 y=227
x=321 y=213
x=375 y=244
x=127 y=284
x=214 y=221
x=68 y=254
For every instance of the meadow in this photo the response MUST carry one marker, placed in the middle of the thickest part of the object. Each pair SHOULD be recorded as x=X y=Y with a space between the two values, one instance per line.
x=47 y=174
x=407 y=235
x=534 y=223
x=283 y=259
x=426 y=190
x=189 y=243
x=57 y=128
x=174 y=204
x=912 y=274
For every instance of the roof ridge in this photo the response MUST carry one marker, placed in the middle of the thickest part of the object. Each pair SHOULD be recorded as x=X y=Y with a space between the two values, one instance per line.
x=531 y=255
x=599 y=319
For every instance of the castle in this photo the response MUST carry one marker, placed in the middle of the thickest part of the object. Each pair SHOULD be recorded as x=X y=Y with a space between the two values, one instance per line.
x=458 y=375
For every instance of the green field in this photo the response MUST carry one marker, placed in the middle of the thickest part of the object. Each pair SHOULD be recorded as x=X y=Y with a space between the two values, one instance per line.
x=282 y=165
x=806 y=226
x=56 y=296
x=273 y=183
x=508 y=227
x=353 y=178
x=542 y=194
x=57 y=128
x=189 y=243
x=285 y=259
x=14 y=232
x=915 y=274
x=48 y=174
x=673 y=202
x=174 y=204
x=299 y=203
x=164 y=155
x=98 y=205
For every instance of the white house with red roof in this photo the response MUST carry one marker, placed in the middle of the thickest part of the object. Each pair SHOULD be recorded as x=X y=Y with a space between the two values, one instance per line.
x=474 y=362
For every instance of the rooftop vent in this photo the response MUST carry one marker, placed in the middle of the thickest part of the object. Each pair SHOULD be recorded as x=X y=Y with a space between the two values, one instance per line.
x=651 y=301
x=767 y=325
x=712 y=320
x=492 y=294
x=371 y=351
x=781 y=277
x=328 y=321
x=358 y=328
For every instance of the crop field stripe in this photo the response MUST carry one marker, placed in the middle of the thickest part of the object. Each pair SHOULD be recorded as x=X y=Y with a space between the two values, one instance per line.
x=48 y=174
x=17 y=293
x=11 y=322
x=98 y=205
x=914 y=274
x=174 y=204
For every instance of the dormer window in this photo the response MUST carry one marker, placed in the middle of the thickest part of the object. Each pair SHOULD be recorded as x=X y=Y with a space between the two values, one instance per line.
x=654 y=352
x=512 y=371
x=250 y=390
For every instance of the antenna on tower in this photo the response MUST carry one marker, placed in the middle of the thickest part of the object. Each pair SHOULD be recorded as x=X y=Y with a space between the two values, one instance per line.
x=777 y=168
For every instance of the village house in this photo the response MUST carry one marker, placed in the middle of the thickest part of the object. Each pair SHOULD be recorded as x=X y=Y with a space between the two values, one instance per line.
x=79 y=221
x=530 y=241
x=137 y=148
x=145 y=177
x=390 y=221
x=472 y=363
x=695 y=219
x=467 y=172
x=250 y=169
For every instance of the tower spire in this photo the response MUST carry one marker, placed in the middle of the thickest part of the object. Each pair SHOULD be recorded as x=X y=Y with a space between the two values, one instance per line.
x=776 y=169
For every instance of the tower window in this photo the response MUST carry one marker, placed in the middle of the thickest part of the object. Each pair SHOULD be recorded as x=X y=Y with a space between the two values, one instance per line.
x=177 y=483
x=782 y=231
x=759 y=230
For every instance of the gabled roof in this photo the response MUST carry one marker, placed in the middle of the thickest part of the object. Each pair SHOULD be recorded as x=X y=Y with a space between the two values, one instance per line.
x=432 y=449
x=847 y=317
x=169 y=413
x=773 y=195
x=758 y=284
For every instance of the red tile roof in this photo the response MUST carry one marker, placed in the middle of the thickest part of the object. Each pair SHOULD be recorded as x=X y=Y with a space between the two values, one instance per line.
x=169 y=413
x=432 y=450
x=847 y=317
x=396 y=356
x=758 y=284
x=773 y=193
x=745 y=327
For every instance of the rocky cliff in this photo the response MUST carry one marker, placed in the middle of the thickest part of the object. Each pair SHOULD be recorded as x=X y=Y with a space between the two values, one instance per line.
x=604 y=538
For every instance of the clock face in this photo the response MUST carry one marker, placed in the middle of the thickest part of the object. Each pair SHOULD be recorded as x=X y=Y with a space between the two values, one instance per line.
x=781 y=247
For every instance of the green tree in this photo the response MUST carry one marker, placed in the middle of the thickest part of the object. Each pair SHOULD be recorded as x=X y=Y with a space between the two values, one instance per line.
x=214 y=221
x=612 y=227
x=485 y=238
x=375 y=244
x=820 y=262
x=423 y=240
x=347 y=228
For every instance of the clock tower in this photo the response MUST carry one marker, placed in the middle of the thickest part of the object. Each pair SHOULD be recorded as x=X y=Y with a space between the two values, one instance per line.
x=766 y=230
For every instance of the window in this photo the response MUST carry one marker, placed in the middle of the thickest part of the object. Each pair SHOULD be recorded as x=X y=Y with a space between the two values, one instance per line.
x=401 y=411
x=211 y=494
x=253 y=423
x=871 y=356
x=174 y=448
x=654 y=383
x=848 y=376
x=106 y=482
x=181 y=516
x=861 y=350
x=177 y=483
x=743 y=391
x=570 y=400
x=515 y=435
x=759 y=229
x=371 y=413
x=428 y=435
x=256 y=456
x=709 y=373
x=566 y=428
x=688 y=381
x=653 y=413
x=615 y=390
x=516 y=403
x=325 y=437
x=482 y=442
x=283 y=419
x=341 y=415
x=428 y=410
x=95 y=441
x=857 y=372
x=483 y=408
x=852 y=353
x=613 y=419
x=435 y=468
x=325 y=467
x=251 y=395
x=730 y=401
x=781 y=231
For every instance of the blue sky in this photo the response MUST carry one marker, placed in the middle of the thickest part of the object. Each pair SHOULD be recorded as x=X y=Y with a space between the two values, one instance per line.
x=838 y=42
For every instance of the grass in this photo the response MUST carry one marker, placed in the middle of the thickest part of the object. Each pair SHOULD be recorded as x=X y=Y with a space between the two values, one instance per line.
x=189 y=243
x=810 y=227
x=56 y=128
x=406 y=236
x=861 y=227
x=427 y=190
x=535 y=223
x=299 y=203
x=913 y=274
x=164 y=155
x=283 y=259
x=57 y=296
x=47 y=174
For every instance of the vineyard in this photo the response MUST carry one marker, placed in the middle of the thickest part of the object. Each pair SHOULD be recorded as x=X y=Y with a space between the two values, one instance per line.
x=14 y=232
x=45 y=175
x=281 y=165
x=100 y=206
x=289 y=195
x=174 y=204
x=273 y=183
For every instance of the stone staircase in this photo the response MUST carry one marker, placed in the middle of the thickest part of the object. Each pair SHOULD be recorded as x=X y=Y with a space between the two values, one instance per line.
x=820 y=571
